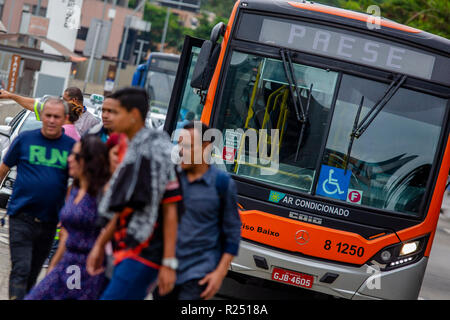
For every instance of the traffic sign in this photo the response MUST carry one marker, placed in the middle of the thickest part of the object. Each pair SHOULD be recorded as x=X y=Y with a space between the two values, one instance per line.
x=13 y=73
x=102 y=45
x=333 y=182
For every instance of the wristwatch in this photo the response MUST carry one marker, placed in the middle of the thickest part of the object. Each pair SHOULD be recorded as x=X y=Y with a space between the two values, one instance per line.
x=171 y=263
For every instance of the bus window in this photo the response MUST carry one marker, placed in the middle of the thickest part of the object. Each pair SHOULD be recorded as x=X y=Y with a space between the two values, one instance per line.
x=159 y=88
x=191 y=108
x=390 y=163
x=257 y=97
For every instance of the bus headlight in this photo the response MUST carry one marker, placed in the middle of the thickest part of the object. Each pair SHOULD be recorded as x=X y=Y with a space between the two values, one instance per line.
x=400 y=254
x=409 y=248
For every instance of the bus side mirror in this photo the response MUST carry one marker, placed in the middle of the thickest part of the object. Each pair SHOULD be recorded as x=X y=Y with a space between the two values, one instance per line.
x=207 y=59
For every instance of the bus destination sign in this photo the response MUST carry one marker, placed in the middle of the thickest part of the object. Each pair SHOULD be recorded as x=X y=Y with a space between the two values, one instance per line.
x=349 y=46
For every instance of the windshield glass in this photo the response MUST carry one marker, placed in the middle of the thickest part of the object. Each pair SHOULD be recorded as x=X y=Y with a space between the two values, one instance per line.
x=159 y=87
x=391 y=162
x=30 y=123
x=389 y=165
x=257 y=100
x=190 y=106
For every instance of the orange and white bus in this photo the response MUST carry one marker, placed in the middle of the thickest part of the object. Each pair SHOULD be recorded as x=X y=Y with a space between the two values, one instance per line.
x=361 y=111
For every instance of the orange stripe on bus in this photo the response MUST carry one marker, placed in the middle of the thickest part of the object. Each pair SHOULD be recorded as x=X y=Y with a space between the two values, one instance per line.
x=352 y=15
x=207 y=110
x=377 y=235
x=430 y=222
x=316 y=241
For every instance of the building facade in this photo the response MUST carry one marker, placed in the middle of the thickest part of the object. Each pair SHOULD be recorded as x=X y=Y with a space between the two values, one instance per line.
x=13 y=13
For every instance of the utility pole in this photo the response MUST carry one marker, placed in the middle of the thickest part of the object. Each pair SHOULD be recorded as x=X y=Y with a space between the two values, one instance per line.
x=141 y=49
x=102 y=63
x=164 y=35
x=125 y=38
x=94 y=49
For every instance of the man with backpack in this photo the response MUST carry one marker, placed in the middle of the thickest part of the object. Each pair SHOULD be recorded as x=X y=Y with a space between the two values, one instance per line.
x=209 y=230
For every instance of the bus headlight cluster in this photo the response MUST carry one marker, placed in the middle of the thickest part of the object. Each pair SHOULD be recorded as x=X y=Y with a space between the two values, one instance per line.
x=400 y=254
x=402 y=261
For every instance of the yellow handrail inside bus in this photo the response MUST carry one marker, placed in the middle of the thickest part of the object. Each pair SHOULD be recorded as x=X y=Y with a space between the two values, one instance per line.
x=284 y=93
x=251 y=112
x=283 y=114
x=241 y=145
x=270 y=107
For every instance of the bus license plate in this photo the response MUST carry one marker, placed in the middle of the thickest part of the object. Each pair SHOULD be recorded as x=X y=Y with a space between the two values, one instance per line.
x=292 y=277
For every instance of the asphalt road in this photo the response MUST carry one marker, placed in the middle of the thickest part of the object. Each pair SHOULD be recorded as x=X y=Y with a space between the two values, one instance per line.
x=435 y=286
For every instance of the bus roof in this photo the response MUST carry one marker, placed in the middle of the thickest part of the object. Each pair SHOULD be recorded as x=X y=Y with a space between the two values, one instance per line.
x=316 y=11
x=168 y=56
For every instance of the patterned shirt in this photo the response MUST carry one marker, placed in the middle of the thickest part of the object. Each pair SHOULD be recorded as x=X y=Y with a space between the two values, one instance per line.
x=149 y=252
x=145 y=179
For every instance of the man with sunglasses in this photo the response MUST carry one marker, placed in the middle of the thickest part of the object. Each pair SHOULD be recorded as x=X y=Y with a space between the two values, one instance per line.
x=72 y=94
x=38 y=195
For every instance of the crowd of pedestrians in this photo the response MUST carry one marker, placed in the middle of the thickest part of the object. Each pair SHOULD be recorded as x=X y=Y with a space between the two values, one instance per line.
x=132 y=222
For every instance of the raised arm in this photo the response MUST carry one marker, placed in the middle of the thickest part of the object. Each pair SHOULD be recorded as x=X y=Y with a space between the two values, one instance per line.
x=26 y=102
x=4 y=169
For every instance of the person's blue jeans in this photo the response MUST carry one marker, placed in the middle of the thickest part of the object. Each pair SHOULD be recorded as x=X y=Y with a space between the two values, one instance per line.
x=130 y=281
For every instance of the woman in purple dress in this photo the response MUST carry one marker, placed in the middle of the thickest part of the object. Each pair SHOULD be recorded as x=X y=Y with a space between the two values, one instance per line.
x=67 y=277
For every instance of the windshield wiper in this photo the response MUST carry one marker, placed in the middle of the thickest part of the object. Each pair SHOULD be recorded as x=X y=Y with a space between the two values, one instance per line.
x=290 y=76
x=300 y=113
x=352 y=135
x=300 y=140
x=360 y=128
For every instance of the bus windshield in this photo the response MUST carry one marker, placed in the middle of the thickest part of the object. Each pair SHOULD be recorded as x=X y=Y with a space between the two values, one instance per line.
x=159 y=88
x=160 y=79
x=257 y=96
x=390 y=164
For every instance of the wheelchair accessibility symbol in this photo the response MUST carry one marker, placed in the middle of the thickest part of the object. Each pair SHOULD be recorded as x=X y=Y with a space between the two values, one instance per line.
x=333 y=183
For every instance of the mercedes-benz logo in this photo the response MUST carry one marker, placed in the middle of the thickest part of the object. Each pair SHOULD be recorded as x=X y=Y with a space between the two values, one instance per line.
x=301 y=237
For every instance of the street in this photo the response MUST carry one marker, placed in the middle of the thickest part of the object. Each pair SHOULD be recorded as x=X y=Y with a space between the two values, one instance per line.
x=435 y=286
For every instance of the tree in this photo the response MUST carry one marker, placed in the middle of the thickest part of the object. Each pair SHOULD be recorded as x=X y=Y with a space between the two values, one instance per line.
x=203 y=31
x=221 y=8
x=427 y=15
x=157 y=16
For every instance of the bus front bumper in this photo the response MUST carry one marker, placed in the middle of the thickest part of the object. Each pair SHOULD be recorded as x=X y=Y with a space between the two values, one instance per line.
x=352 y=282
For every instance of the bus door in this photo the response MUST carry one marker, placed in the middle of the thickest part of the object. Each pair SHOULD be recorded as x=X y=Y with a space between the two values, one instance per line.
x=185 y=104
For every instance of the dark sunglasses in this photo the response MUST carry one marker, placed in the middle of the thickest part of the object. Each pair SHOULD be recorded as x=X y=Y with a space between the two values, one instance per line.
x=77 y=156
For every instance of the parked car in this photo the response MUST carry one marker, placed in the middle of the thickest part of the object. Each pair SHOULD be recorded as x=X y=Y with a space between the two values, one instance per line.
x=23 y=121
x=94 y=104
